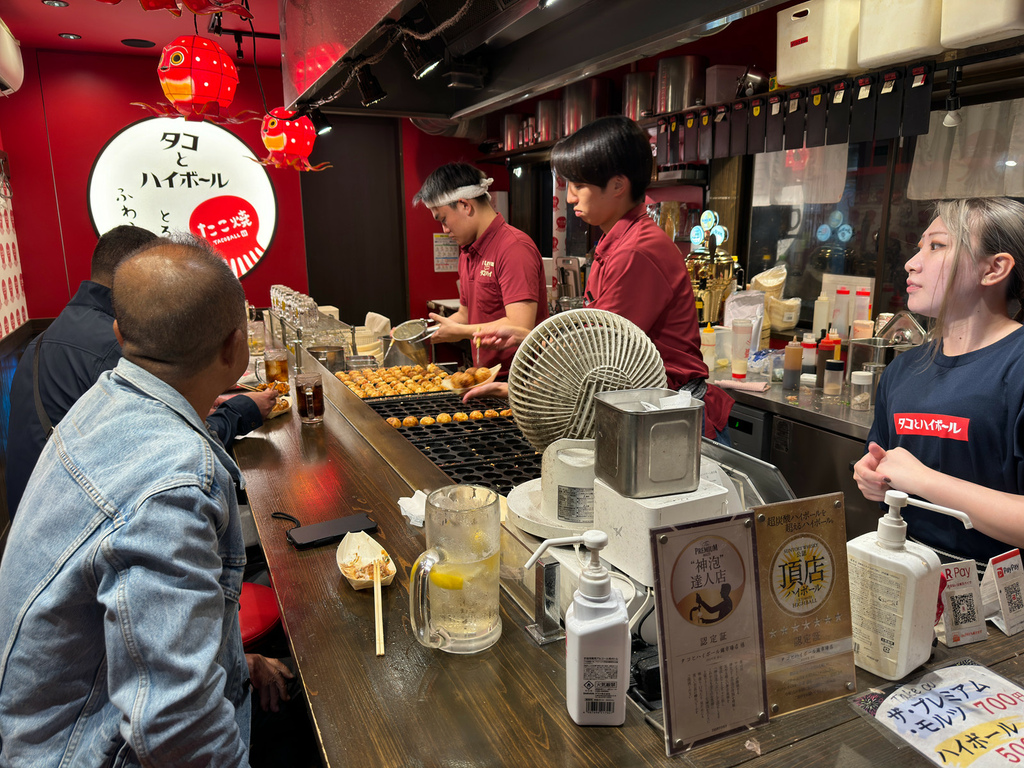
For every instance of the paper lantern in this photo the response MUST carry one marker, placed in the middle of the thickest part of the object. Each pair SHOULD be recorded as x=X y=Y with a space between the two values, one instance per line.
x=198 y=77
x=289 y=140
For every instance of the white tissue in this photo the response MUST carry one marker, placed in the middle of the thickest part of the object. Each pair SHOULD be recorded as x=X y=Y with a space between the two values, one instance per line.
x=678 y=400
x=414 y=507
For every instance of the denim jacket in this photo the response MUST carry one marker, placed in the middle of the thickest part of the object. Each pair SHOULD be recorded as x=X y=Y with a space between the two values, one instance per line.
x=119 y=591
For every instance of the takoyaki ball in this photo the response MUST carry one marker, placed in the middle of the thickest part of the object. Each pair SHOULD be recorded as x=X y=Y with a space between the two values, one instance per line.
x=490 y=413
x=482 y=375
x=505 y=412
x=462 y=380
x=426 y=421
x=476 y=415
x=433 y=368
x=460 y=416
x=394 y=422
x=444 y=418
x=410 y=421
x=471 y=371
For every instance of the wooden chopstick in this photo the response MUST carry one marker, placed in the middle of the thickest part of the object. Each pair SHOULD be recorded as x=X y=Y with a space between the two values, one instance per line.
x=378 y=613
x=248 y=387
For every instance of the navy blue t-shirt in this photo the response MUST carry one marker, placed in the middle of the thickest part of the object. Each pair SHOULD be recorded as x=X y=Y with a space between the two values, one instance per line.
x=962 y=416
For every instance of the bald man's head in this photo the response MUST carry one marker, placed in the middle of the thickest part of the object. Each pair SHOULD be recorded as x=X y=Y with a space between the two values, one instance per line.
x=176 y=303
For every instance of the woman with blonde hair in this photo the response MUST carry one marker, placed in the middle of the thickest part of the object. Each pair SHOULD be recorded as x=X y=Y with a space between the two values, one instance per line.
x=949 y=415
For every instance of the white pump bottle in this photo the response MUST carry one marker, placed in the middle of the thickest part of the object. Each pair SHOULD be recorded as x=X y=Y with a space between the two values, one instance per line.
x=597 y=642
x=894 y=591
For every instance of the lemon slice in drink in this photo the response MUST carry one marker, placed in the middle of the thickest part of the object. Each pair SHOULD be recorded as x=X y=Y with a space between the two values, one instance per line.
x=446 y=579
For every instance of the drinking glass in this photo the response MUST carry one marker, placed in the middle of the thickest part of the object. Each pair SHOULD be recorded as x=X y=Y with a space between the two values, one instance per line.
x=275 y=364
x=309 y=397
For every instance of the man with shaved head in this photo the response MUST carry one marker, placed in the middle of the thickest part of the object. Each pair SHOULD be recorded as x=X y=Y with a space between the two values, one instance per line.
x=119 y=587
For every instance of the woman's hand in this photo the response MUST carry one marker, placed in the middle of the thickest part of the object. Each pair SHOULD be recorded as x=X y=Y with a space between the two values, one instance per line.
x=872 y=482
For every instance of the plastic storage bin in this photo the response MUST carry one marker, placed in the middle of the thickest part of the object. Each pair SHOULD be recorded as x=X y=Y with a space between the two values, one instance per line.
x=966 y=22
x=817 y=39
x=897 y=30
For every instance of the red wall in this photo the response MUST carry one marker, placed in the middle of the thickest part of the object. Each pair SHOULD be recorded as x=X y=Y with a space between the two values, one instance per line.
x=421 y=154
x=68 y=108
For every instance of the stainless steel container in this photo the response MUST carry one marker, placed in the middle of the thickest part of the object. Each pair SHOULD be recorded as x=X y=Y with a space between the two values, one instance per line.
x=642 y=453
x=582 y=103
x=330 y=357
x=359 y=362
x=680 y=83
x=637 y=89
x=530 y=131
x=510 y=125
x=549 y=120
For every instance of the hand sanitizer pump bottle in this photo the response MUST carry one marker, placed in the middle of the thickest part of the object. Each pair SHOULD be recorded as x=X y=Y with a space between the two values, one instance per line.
x=597 y=642
x=894 y=590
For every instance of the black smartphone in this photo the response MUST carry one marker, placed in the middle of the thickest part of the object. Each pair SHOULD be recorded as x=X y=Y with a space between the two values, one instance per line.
x=319 y=534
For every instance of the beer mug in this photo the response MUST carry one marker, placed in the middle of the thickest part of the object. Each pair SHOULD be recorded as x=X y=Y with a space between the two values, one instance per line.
x=275 y=364
x=309 y=397
x=453 y=593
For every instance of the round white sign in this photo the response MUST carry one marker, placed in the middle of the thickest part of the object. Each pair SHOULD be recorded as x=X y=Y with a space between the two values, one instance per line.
x=166 y=174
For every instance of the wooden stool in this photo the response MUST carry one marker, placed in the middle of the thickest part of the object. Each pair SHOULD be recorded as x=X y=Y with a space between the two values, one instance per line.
x=258 y=615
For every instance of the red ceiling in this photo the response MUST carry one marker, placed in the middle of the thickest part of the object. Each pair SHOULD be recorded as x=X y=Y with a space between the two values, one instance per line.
x=103 y=26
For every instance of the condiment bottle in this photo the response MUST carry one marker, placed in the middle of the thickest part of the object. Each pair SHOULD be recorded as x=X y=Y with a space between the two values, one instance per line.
x=822 y=315
x=810 y=347
x=707 y=347
x=825 y=352
x=741 y=329
x=860 y=390
x=862 y=305
x=841 y=312
x=833 y=383
x=791 y=364
x=894 y=588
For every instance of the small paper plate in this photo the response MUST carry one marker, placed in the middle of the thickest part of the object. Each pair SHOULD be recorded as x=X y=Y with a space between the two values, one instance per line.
x=356 y=554
x=285 y=406
x=447 y=383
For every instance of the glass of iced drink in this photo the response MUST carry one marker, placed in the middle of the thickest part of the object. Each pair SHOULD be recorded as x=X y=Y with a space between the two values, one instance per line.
x=454 y=584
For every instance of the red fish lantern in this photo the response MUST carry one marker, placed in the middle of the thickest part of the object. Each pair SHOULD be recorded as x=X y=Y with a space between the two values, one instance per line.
x=289 y=140
x=198 y=77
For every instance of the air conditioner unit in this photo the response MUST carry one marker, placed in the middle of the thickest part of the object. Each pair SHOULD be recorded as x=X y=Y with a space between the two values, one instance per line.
x=12 y=69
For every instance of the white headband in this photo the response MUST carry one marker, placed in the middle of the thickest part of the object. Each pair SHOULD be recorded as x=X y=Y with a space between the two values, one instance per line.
x=462 y=193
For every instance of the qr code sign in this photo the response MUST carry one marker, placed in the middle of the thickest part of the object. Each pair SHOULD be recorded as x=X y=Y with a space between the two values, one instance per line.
x=964 y=611
x=1014 y=602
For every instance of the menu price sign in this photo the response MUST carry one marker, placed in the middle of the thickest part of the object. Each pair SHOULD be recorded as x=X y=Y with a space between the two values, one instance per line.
x=805 y=601
x=709 y=634
x=958 y=716
x=446 y=253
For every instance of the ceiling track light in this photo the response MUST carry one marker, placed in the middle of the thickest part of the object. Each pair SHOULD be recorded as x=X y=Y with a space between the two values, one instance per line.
x=370 y=91
x=953 y=118
x=320 y=122
x=422 y=57
x=462 y=75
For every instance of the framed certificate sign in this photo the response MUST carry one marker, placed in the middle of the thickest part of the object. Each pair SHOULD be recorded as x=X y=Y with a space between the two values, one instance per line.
x=168 y=175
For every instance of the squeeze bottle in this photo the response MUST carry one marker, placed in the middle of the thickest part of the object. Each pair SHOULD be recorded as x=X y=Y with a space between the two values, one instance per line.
x=597 y=642
x=791 y=364
x=894 y=590
x=708 y=347
x=822 y=316
x=810 y=348
x=862 y=305
x=841 y=312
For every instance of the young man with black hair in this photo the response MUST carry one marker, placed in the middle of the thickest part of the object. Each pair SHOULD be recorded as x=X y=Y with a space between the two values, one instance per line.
x=501 y=275
x=638 y=272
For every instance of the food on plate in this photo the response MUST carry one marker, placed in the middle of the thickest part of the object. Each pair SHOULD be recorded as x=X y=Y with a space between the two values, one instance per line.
x=360 y=568
x=490 y=413
x=426 y=421
x=505 y=412
x=482 y=375
x=476 y=415
x=282 y=405
x=410 y=421
x=444 y=418
x=281 y=386
x=460 y=416
x=395 y=422
x=462 y=380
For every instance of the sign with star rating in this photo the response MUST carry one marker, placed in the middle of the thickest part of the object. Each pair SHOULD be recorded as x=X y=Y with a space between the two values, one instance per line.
x=805 y=601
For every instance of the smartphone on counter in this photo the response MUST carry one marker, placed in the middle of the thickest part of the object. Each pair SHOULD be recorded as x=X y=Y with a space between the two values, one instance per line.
x=319 y=534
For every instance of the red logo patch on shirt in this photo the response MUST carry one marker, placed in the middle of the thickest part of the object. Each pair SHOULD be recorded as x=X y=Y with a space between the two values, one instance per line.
x=933 y=425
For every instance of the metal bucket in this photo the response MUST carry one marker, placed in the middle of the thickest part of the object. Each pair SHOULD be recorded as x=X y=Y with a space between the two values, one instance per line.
x=549 y=122
x=331 y=358
x=583 y=102
x=399 y=352
x=636 y=95
x=510 y=125
x=680 y=83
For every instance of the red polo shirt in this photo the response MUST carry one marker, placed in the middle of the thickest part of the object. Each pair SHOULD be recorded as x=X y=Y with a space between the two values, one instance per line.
x=502 y=267
x=639 y=273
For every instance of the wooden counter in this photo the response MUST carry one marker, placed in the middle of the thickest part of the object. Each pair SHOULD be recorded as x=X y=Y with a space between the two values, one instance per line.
x=502 y=707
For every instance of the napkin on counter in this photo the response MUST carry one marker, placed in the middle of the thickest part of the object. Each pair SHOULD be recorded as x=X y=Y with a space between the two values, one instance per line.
x=749 y=386
x=414 y=507
x=377 y=324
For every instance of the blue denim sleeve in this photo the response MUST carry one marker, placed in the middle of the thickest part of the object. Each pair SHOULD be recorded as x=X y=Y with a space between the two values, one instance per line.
x=234 y=418
x=175 y=664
